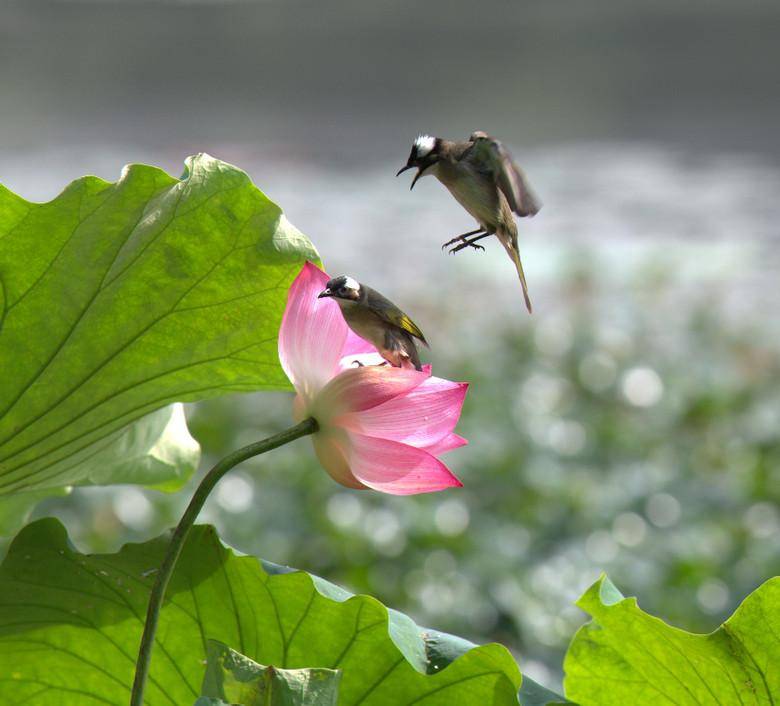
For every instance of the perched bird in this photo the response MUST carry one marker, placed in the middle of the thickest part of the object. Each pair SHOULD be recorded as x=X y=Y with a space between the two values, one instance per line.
x=483 y=178
x=376 y=319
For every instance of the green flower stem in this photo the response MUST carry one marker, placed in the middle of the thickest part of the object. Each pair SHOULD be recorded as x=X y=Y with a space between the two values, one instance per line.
x=306 y=427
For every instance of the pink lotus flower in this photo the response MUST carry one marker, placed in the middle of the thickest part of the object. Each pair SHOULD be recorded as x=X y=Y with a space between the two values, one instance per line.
x=379 y=427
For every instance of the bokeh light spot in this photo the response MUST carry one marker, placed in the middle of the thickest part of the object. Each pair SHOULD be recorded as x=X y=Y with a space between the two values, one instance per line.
x=452 y=518
x=713 y=596
x=762 y=520
x=235 y=493
x=344 y=510
x=642 y=387
x=629 y=529
x=663 y=510
x=133 y=508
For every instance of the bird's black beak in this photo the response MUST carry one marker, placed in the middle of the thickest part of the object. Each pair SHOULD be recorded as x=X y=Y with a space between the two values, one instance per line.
x=324 y=293
x=403 y=169
x=417 y=176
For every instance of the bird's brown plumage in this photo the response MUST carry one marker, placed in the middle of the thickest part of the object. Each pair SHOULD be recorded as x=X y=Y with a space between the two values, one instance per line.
x=376 y=319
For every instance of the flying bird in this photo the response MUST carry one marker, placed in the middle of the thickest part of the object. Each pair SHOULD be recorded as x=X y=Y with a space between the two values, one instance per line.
x=484 y=179
x=376 y=319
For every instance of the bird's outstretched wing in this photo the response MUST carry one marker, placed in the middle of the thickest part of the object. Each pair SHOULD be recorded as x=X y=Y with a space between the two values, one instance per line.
x=488 y=154
x=388 y=311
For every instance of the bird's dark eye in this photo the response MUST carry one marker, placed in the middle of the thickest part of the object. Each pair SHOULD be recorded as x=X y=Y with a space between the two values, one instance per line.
x=342 y=290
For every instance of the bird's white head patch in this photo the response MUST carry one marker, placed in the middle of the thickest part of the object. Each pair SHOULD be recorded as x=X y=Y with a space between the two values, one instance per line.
x=351 y=283
x=424 y=145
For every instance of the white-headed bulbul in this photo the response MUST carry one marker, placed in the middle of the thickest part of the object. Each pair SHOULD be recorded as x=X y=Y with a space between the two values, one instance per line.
x=484 y=179
x=376 y=319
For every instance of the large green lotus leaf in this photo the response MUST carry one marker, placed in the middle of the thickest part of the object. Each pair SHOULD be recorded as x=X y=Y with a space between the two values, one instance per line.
x=237 y=679
x=118 y=299
x=70 y=625
x=625 y=656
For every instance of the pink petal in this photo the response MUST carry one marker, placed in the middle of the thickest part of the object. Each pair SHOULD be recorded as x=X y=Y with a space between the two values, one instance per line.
x=359 y=389
x=448 y=443
x=312 y=334
x=422 y=417
x=392 y=467
x=329 y=447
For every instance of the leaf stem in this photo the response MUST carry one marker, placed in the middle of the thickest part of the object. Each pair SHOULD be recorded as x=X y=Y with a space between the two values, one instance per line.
x=308 y=426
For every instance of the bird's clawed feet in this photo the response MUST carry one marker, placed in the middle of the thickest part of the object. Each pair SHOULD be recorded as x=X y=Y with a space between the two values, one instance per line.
x=464 y=241
x=465 y=244
x=456 y=239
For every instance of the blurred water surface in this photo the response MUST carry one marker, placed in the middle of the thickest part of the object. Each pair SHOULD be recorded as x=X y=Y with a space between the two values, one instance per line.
x=632 y=425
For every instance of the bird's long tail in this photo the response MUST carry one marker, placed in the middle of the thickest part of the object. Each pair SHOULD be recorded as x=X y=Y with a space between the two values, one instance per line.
x=509 y=241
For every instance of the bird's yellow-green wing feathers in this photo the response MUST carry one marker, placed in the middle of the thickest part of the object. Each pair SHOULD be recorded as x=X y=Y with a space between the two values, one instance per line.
x=404 y=322
x=388 y=311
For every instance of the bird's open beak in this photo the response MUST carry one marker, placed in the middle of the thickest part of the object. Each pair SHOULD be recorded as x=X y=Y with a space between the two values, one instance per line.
x=420 y=171
x=324 y=293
